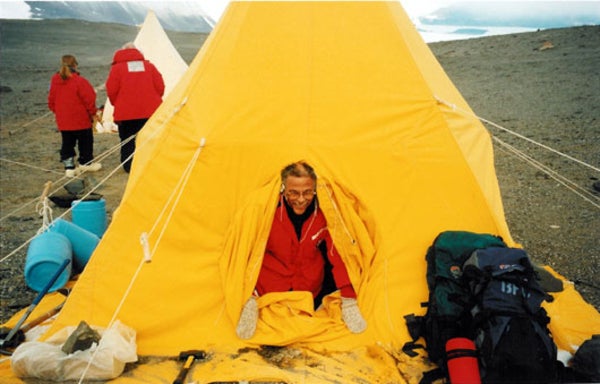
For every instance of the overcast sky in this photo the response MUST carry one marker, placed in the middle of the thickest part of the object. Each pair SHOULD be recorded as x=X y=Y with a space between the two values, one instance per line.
x=14 y=8
x=415 y=8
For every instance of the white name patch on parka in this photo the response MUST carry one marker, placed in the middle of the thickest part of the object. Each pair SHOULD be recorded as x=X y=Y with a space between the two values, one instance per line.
x=135 y=66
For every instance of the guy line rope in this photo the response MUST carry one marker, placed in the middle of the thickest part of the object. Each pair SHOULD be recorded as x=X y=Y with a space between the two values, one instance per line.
x=61 y=182
x=584 y=194
x=180 y=187
x=64 y=179
x=572 y=186
x=581 y=192
x=171 y=202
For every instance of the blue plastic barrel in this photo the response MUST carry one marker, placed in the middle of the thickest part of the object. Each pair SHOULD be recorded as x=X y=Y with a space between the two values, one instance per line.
x=83 y=241
x=90 y=215
x=45 y=255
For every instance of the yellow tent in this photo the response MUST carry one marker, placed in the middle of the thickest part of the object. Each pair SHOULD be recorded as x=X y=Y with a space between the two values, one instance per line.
x=351 y=88
x=155 y=45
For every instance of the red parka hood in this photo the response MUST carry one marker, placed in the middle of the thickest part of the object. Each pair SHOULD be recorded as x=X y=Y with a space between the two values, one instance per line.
x=134 y=86
x=127 y=54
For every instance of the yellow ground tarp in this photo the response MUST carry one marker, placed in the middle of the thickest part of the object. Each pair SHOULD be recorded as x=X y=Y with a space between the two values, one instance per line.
x=349 y=87
x=295 y=363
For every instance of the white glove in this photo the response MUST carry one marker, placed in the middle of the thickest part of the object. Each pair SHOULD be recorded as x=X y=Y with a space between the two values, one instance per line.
x=247 y=323
x=352 y=317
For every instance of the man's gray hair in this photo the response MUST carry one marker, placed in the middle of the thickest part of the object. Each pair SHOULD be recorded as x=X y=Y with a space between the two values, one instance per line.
x=298 y=169
x=128 y=45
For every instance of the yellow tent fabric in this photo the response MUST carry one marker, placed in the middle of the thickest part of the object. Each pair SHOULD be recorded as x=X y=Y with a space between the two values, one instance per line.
x=349 y=87
x=155 y=45
x=278 y=82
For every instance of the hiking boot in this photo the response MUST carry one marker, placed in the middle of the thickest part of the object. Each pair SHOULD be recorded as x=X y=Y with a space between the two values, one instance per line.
x=92 y=167
x=69 y=163
x=70 y=170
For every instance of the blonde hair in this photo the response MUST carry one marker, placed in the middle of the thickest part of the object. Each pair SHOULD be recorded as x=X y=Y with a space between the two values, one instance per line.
x=68 y=63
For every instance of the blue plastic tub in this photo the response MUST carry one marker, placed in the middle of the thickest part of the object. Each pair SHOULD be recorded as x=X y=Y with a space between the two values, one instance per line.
x=45 y=255
x=90 y=215
x=83 y=241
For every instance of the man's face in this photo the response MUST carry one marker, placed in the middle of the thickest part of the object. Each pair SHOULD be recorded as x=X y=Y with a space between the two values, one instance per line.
x=299 y=192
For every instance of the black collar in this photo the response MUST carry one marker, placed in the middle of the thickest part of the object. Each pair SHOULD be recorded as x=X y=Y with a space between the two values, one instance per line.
x=298 y=220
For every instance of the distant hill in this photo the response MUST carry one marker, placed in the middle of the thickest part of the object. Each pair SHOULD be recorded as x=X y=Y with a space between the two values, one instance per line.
x=184 y=16
x=529 y=14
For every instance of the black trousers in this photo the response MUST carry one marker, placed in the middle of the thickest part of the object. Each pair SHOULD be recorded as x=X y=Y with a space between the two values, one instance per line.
x=128 y=128
x=84 y=139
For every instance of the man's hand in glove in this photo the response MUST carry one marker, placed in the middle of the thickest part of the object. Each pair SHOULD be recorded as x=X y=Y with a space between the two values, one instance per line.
x=352 y=316
x=248 y=318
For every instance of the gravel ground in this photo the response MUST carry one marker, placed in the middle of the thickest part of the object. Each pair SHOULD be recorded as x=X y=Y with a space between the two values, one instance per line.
x=549 y=96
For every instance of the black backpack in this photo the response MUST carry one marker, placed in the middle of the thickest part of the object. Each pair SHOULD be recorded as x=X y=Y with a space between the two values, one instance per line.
x=510 y=327
x=586 y=362
x=449 y=299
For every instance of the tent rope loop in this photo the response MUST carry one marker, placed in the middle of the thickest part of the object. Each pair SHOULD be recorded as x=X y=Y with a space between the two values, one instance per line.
x=146 y=247
x=43 y=208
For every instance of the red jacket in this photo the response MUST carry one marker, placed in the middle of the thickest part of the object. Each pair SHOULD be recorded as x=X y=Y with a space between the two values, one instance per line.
x=73 y=102
x=290 y=264
x=134 y=86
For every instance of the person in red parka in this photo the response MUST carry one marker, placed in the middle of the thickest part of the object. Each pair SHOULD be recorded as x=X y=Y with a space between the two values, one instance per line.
x=73 y=100
x=135 y=88
x=300 y=254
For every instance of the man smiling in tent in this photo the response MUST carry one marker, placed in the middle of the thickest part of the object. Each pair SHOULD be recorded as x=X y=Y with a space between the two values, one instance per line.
x=300 y=255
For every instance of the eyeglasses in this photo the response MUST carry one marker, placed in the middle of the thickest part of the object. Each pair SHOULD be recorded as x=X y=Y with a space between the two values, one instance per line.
x=308 y=194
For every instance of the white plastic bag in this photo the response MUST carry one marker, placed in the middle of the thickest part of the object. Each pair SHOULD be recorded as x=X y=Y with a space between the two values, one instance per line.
x=45 y=360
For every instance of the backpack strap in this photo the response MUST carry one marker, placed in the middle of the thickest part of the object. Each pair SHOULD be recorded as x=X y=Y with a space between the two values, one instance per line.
x=430 y=376
x=414 y=324
x=410 y=346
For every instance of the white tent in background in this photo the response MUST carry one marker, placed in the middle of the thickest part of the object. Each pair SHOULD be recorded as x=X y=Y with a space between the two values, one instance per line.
x=156 y=46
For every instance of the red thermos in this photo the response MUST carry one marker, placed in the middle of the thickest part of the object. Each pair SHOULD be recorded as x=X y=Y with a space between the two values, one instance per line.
x=462 y=360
